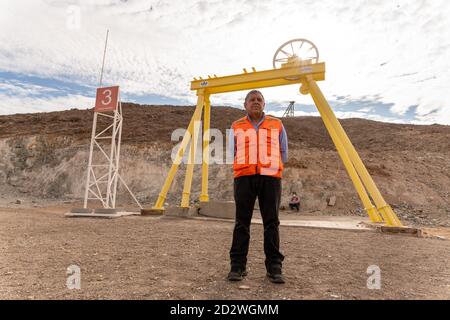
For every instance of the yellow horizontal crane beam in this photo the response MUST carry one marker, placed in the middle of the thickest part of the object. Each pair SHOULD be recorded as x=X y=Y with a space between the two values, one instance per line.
x=260 y=79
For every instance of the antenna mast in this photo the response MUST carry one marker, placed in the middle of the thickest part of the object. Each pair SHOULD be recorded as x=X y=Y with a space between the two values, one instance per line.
x=103 y=62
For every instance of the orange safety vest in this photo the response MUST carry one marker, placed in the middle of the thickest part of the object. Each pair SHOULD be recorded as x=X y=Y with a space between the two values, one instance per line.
x=257 y=152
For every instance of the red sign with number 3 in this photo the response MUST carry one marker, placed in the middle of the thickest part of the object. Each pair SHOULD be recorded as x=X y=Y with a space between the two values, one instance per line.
x=106 y=99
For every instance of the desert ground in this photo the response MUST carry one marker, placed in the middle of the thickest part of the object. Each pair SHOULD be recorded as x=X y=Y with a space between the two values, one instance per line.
x=43 y=162
x=137 y=257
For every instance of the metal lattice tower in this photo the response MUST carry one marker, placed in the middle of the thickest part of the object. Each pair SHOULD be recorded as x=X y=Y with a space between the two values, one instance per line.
x=290 y=111
x=103 y=173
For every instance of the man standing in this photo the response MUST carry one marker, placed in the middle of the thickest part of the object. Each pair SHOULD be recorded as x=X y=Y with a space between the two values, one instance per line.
x=259 y=145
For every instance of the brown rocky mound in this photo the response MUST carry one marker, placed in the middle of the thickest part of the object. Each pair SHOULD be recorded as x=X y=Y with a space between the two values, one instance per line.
x=45 y=154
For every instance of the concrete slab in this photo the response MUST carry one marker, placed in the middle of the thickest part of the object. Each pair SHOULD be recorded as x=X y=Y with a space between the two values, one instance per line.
x=177 y=211
x=152 y=212
x=339 y=223
x=415 y=232
x=93 y=214
x=218 y=209
x=336 y=225
x=81 y=210
x=108 y=211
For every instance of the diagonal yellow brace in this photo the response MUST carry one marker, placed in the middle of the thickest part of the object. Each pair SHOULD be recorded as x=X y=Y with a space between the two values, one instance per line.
x=368 y=206
x=386 y=211
x=206 y=138
x=180 y=153
x=194 y=132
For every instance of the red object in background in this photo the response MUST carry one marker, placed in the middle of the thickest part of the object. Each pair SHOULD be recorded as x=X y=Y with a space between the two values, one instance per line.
x=106 y=99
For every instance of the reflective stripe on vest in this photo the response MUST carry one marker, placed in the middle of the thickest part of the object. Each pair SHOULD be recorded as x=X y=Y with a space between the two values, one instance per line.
x=257 y=152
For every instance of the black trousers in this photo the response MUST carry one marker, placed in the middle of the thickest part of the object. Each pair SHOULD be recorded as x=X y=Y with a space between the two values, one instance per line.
x=268 y=191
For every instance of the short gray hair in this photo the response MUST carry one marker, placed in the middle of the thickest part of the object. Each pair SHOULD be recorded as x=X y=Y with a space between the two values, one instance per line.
x=252 y=92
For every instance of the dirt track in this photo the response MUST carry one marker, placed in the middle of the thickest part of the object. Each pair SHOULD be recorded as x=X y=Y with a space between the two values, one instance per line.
x=154 y=258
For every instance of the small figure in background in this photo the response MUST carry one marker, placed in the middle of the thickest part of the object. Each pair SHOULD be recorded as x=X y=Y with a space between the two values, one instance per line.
x=295 y=202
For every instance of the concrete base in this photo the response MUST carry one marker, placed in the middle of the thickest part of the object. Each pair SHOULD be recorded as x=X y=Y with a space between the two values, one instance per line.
x=81 y=210
x=100 y=213
x=182 y=212
x=405 y=230
x=415 y=232
x=107 y=211
x=330 y=223
x=218 y=209
x=152 y=212
x=335 y=224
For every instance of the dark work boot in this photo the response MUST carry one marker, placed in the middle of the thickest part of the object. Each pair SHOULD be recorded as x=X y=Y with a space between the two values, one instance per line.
x=237 y=273
x=274 y=274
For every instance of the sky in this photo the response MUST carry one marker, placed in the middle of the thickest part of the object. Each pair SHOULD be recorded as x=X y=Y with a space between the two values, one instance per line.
x=385 y=60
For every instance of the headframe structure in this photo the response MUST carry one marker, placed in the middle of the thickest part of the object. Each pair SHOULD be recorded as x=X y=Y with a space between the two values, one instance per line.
x=290 y=110
x=292 y=65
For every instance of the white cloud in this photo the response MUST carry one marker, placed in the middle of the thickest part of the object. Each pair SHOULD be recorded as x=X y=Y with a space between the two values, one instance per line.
x=365 y=110
x=17 y=88
x=342 y=115
x=22 y=97
x=393 y=51
x=10 y=104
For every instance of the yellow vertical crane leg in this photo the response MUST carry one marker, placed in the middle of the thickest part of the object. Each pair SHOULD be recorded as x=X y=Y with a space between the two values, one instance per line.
x=194 y=131
x=386 y=211
x=180 y=153
x=205 y=159
x=368 y=206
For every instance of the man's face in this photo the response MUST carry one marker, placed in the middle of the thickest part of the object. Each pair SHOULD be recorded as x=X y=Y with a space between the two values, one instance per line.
x=255 y=105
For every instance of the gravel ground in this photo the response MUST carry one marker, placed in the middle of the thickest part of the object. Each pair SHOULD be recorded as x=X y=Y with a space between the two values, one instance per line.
x=169 y=258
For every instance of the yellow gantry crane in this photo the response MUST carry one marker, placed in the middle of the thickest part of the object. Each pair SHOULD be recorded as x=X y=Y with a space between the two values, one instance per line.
x=294 y=62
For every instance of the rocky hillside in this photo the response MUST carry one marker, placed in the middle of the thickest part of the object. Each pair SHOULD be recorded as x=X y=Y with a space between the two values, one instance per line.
x=45 y=156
